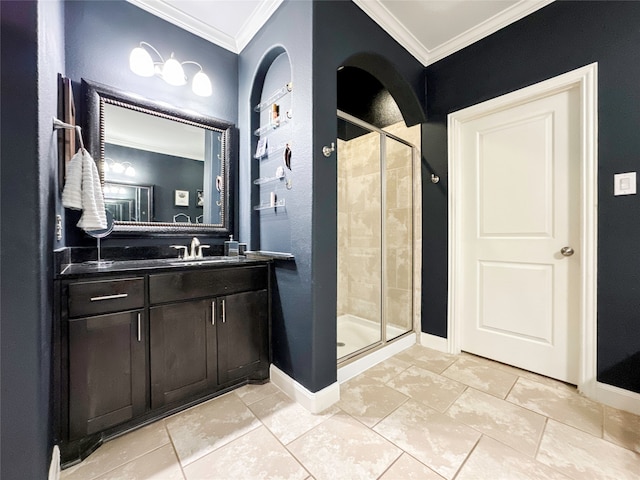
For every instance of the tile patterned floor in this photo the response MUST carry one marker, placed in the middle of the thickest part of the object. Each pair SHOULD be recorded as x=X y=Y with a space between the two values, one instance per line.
x=419 y=415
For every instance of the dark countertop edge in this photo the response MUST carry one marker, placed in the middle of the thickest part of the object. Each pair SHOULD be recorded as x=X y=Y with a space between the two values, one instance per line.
x=75 y=270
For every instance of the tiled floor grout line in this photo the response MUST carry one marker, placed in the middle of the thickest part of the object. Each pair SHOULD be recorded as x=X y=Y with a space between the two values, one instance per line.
x=466 y=459
x=175 y=450
x=392 y=375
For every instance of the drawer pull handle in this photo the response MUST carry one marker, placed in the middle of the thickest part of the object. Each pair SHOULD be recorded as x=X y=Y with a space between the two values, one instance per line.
x=213 y=313
x=109 y=297
x=224 y=312
x=139 y=329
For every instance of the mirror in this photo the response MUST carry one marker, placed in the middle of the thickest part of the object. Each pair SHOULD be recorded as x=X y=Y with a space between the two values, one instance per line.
x=165 y=171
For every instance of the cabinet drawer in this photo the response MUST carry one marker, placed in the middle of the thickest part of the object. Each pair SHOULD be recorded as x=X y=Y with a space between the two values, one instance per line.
x=92 y=298
x=185 y=285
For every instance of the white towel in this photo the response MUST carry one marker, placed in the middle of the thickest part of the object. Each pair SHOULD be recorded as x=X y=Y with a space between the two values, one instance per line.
x=83 y=190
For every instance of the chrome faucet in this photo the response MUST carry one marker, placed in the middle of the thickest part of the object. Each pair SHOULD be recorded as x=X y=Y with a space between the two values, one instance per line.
x=194 y=253
x=195 y=243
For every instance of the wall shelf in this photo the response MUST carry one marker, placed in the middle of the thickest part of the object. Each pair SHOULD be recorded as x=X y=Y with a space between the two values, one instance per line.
x=272 y=150
x=269 y=206
x=273 y=97
x=263 y=180
x=282 y=120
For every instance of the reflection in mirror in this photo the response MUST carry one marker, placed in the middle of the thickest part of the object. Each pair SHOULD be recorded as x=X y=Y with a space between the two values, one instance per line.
x=129 y=203
x=164 y=170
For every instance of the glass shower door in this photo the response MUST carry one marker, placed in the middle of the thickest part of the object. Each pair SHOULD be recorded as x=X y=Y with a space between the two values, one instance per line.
x=359 y=299
x=398 y=238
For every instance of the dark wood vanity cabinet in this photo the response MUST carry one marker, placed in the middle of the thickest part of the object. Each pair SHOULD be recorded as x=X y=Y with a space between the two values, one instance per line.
x=183 y=352
x=240 y=354
x=107 y=354
x=135 y=348
x=107 y=371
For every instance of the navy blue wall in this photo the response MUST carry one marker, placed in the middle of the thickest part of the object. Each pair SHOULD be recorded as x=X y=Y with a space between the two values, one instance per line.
x=558 y=38
x=289 y=29
x=99 y=35
x=342 y=31
x=30 y=37
x=305 y=319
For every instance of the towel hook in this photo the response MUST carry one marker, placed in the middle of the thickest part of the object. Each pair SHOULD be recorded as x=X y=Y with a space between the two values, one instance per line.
x=58 y=124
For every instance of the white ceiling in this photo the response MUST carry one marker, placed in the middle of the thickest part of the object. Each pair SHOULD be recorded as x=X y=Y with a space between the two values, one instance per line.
x=428 y=29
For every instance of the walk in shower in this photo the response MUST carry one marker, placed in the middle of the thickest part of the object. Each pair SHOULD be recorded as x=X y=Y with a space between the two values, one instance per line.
x=375 y=237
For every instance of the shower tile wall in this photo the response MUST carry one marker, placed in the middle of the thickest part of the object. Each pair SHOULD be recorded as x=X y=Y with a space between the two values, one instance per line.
x=359 y=224
x=359 y=228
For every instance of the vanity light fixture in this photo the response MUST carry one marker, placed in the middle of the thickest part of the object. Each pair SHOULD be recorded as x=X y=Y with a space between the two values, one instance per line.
x=119 y=167
x=171 y=71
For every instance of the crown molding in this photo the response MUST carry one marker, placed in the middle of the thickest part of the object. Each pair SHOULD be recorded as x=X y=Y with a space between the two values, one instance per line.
x=383 y=17
x=389 y=23
x=167 y=12
x=486 y=28
x=255 y=22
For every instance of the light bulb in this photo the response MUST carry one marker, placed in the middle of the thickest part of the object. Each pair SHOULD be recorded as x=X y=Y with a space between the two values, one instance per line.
x=140 y=62
x=117 y=167
x=201 y=84
x=172 y=72
x=130 y=171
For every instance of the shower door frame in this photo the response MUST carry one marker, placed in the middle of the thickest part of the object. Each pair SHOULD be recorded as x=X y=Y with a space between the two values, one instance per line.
x=383 y=224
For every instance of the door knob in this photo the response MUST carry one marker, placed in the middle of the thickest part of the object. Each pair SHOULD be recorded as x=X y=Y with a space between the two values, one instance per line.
x=567 y=251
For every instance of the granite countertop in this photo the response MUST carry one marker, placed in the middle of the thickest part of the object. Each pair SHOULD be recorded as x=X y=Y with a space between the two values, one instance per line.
x=142 y=266
x=152 y=264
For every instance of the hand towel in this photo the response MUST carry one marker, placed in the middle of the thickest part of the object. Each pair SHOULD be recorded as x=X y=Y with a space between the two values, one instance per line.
x=83 y=191
x=72 y=192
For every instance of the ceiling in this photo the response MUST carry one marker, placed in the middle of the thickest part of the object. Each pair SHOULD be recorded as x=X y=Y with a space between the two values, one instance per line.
x=428 y=29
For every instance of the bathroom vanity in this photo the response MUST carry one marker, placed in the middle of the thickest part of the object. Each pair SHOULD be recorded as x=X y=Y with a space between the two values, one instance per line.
x=139 y=340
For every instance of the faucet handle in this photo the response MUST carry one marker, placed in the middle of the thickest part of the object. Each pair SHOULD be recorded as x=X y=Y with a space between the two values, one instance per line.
x=200 y=247
x=178 y=247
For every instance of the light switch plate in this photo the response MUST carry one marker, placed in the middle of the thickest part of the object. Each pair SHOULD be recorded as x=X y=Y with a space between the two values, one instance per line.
x=624 y=183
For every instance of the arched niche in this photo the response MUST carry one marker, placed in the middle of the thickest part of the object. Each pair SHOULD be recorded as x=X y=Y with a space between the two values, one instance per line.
x=273 y=75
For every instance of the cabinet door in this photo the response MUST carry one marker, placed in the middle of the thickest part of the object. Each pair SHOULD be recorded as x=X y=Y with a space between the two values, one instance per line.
x=107 y=371
x=243 y=335
x=183 y=351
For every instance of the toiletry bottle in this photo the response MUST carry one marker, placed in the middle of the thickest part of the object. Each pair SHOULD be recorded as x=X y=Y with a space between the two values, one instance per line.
x=231 y=247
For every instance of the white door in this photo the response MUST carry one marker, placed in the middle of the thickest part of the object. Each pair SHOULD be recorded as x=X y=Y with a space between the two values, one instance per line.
x=520 y=207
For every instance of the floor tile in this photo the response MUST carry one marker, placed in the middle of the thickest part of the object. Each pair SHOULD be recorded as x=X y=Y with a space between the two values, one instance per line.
x=343 y=448
x=161 y=464
x=431 y=437
x=210 y=425
x=286 y=418
x=560 y=403
x=427 y=358
x=256 y=455
x=481 y=376
x=427 y=387
x=408 y=468
x=584 y=457
x=253 y=393
x=622 y=428
x=387 y=370
x=513 y=425
x=496 y=461
x=368 y=400
x=119 y=451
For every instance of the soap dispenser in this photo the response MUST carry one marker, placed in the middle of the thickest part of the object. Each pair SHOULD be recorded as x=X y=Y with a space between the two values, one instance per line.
x=231 y=247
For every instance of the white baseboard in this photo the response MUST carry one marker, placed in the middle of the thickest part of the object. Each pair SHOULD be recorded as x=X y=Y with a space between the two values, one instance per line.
x=315 y=402
x=615 y=397
x=360 y=365
x=434 y=342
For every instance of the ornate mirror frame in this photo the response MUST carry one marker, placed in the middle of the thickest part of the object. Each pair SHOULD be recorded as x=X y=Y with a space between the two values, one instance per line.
x=97 y=95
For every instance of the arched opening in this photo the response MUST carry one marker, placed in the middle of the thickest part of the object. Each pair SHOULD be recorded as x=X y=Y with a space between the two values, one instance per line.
x=378 y=212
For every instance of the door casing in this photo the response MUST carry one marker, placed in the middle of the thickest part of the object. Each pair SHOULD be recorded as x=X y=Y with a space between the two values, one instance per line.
x=585 y=79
